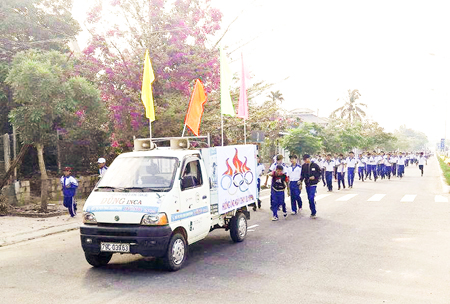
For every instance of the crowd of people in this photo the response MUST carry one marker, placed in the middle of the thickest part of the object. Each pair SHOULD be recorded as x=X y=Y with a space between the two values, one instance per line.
x=326 y=168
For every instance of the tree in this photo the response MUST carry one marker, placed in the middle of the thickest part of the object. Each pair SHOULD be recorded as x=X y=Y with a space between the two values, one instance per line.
x=177 y=35
x=351 y=110
x=48 y=96
x=274 y=96
x=303 y=140
x=410 y=140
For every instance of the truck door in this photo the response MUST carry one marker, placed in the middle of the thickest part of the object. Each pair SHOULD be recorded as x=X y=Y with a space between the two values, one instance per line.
x=195 y=199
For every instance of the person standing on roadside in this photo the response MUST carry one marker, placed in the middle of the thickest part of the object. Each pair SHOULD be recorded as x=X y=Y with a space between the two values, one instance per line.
x=294 y=172
x=102 y=166
x=279 y=184
x=259 y=172
x=310 y=175
x=69 y=187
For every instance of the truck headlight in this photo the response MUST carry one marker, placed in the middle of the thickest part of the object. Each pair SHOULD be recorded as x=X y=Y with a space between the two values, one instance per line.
x=158 y=219
x=89 y=218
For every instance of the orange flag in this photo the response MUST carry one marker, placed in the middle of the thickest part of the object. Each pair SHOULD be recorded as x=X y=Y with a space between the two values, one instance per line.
x=195 y=111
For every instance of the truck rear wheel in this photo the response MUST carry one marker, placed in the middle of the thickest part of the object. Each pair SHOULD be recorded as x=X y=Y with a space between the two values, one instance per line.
x=98 y=260
x=176 y=252
x=238 y=227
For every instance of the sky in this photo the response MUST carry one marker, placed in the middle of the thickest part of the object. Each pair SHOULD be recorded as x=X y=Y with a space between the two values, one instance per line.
x=396 y=53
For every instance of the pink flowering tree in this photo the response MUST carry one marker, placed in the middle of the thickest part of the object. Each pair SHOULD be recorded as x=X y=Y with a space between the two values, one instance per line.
x=178 y=35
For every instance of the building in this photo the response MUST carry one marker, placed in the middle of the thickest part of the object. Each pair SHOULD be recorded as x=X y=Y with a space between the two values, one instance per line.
x=308 y=115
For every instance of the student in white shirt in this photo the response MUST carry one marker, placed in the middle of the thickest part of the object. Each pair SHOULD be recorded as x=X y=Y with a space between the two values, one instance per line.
x=361 y=166
x=259 y=172
x=341 y=171
x=388 y=166
x=329 y=165
x=351 y=165
x=371 y=166
x=294 y=174
x=422 y=162
x=401 y=165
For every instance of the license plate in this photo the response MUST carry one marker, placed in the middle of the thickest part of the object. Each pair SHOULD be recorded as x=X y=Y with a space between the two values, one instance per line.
x=115 y=247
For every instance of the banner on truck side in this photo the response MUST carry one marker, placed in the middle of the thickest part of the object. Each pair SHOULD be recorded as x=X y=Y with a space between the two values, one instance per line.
x=236 y=170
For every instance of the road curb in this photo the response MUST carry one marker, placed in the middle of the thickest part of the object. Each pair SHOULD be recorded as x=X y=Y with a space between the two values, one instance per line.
x=32 y=235
x=445 y=186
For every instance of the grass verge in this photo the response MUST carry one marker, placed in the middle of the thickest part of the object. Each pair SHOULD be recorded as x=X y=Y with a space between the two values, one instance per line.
x=445 y=169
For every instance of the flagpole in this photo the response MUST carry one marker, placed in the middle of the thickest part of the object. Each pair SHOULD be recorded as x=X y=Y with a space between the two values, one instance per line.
x=222 y=127
x=150 y=128
x=184 y=129
x=245 y=132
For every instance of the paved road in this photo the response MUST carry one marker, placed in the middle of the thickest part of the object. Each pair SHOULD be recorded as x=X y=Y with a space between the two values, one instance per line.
x=383 y=242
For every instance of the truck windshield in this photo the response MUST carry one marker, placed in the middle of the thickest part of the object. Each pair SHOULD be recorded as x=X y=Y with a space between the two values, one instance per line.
x=135 y=173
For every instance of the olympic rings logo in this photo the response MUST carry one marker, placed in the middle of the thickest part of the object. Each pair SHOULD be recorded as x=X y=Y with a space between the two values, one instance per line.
x=239 y=181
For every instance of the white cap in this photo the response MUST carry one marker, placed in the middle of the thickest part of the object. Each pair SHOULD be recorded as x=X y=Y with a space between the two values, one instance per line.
x=101 y=160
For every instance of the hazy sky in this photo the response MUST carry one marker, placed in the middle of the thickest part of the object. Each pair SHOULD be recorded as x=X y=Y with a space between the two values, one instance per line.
x=397 y=53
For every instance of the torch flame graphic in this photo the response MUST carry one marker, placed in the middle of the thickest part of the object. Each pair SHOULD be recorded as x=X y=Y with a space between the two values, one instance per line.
x=244 y=166
x=237 y=163
x=229 y=170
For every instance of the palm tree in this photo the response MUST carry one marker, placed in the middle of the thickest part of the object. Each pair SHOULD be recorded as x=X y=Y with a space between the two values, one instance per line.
x=351 y=110
x=274 y=96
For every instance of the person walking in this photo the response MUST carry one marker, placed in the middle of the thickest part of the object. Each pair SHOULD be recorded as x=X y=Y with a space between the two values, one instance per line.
x=294 y=173
x=272 y=168
x=310 y=175
x=328 y=166
x=388 y=166
x=341 y=171
x=69 y=187
x=422 y=160
x=361 y=166
x=401 y=166
x=351 y=165
x=259 y=172
x=279 y=184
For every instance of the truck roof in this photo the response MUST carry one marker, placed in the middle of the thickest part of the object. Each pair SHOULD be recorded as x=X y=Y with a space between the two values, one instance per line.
x=167 y=152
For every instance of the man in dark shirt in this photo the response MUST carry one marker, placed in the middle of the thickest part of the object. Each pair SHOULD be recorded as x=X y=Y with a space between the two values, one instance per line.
x=310 y=175
x=279 y=183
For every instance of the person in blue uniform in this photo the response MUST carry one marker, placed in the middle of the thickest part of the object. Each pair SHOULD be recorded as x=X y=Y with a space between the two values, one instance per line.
x=310 y=175
x=340 y=163
x=401 y=166
x=361 y=166
x=259 y=172
x=294 y=172
x=279 y=184
x=69 y=187
x=351 y=165
x=329 y=165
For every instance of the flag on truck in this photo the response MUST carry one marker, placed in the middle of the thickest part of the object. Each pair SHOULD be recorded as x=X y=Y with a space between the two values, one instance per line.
x=243 y=101
x=147 y=95
x=195 y=110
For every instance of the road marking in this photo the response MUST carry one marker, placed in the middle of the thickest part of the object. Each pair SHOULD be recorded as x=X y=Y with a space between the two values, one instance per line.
x=251 y=227
x=250 y=230
x=346 y=197
x=440 y=199
x=376 y=198
x=408 y=198
x=321 y=196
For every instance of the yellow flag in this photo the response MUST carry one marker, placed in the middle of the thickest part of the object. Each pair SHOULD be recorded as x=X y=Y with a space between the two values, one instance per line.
x=147 y=95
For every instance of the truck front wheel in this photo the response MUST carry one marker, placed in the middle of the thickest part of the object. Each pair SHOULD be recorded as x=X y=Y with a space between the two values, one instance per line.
x=176 y=252
x=98 y=260
x=238 y=227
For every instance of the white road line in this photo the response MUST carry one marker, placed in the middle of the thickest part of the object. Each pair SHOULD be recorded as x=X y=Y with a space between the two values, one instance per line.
x=251 y=227
x=376 y=198
x=346 y=197
x=409 y=198
x=321 y=196
x=440 y=199
x=250 y=230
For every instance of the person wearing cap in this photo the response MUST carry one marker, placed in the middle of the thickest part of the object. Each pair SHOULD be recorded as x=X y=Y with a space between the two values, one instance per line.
x=294 y=172
x=102 y=166
x=310 y=175
x=69 y=187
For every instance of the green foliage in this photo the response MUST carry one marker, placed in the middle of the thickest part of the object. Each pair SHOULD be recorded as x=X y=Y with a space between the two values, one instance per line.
x=303 y=140
x=445 y=170
x=352 y=109
x=410 y=140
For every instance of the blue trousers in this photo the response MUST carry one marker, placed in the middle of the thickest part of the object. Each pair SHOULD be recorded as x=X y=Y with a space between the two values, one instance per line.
x=382 y=170
x=341 y=179
x=388 y=170
x=258 y=185
x=361 y=173
x=350 y=176
x=370 y=169
x=295 y=196
x=277 y=200
x=401 y=170
x=329 y=177
x=394 y=169
x=311 y=191
x=69 y=203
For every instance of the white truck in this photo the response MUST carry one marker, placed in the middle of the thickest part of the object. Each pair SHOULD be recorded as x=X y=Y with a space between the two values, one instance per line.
x=155 y=201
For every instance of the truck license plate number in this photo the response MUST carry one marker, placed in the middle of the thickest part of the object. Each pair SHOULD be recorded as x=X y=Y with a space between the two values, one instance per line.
x=115 y=247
